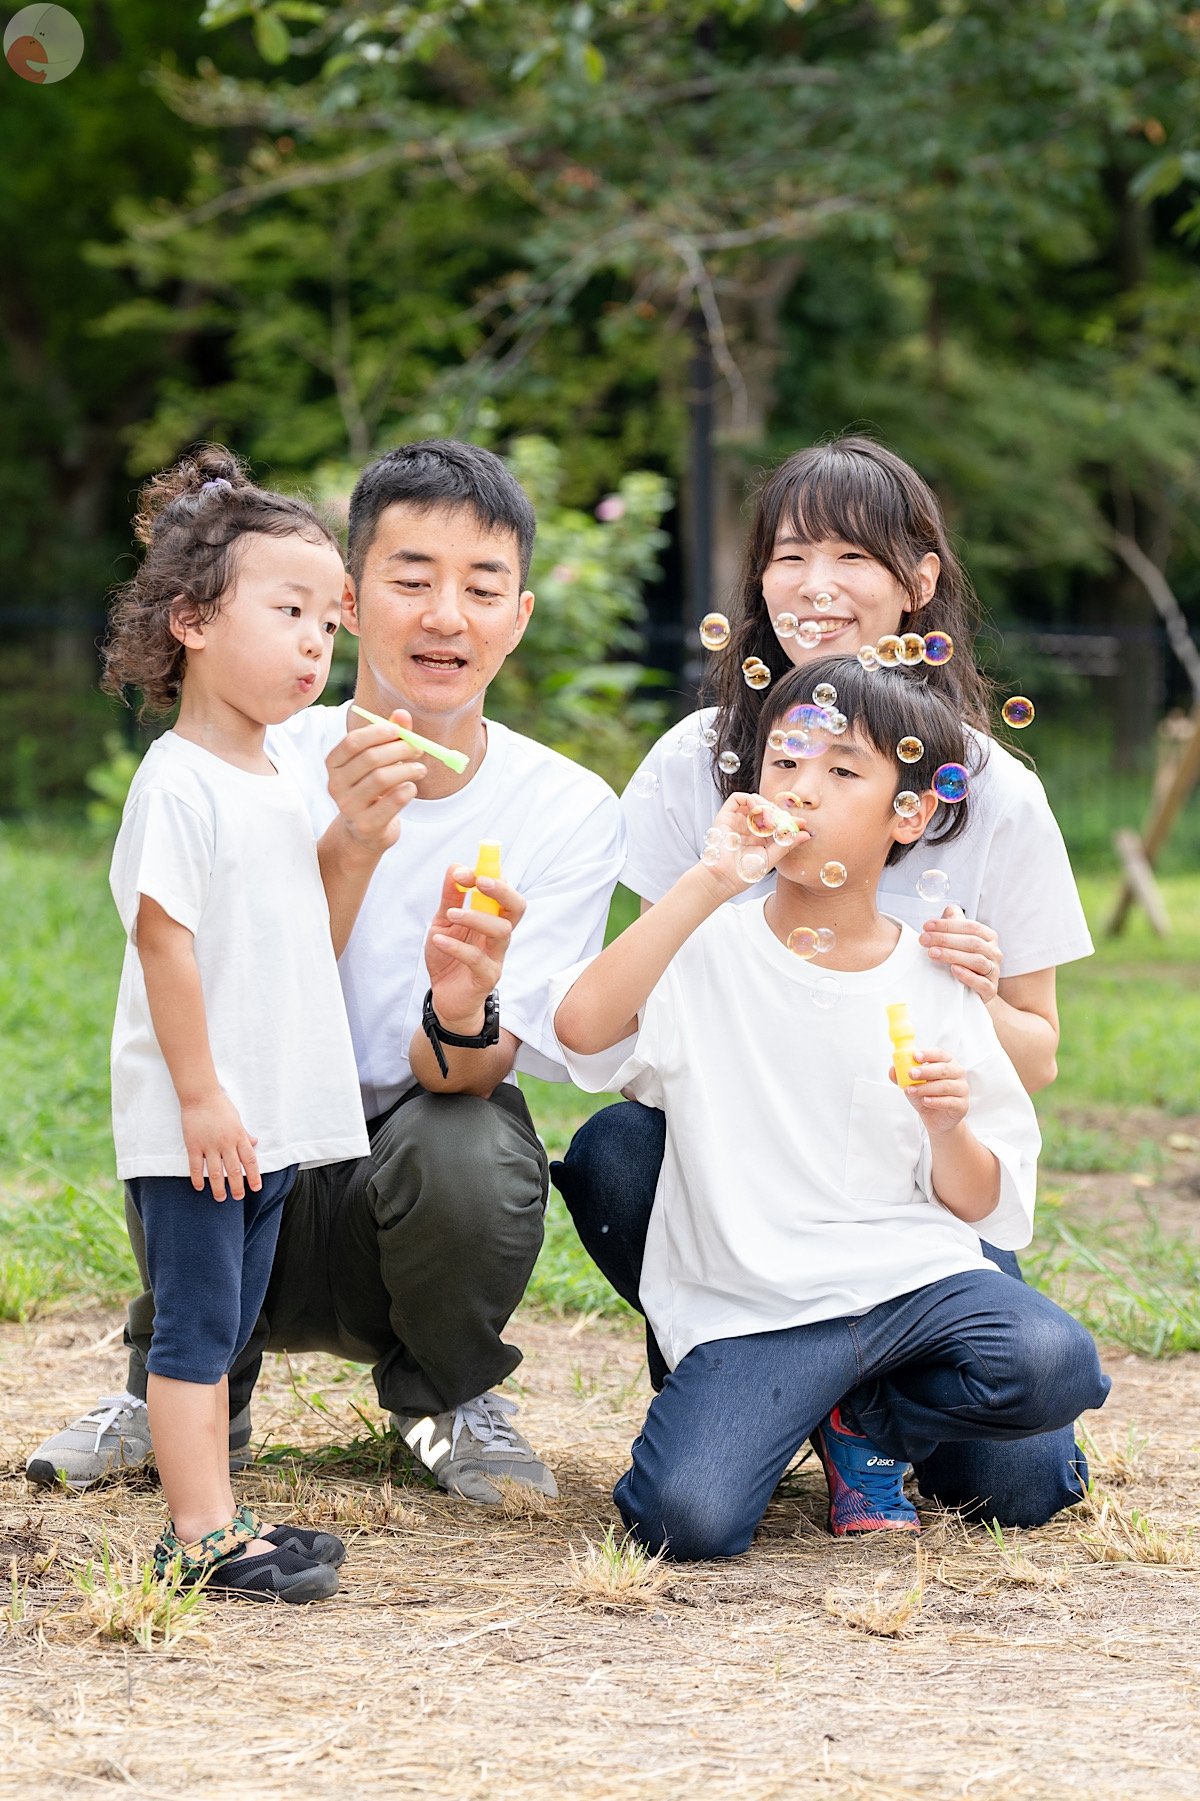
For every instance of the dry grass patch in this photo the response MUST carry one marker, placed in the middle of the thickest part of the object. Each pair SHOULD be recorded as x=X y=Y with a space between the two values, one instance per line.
x=1119 y=1534
x=520 y=1502
x=1116 y=1462
x=888 y=1608
x=615 y=1574
x=346 y=1506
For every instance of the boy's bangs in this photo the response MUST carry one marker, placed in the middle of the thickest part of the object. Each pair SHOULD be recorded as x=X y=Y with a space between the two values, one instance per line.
x=839 y=497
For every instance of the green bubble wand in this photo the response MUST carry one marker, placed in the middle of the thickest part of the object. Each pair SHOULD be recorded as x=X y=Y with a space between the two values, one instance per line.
x=453 y=759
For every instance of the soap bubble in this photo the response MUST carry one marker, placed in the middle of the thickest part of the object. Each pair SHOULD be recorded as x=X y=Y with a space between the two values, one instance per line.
x=714 y=835
x=644 y=784
x=785 y=625
x=826 y=993
x=714 y=631
x=712 y=854
x=912 y=648
x=761 y=820
x=824 y=695
x=807 y=733
x=688 y=746
x=808 y=632
x=790 y=804
x=752 y=865
x=729 y=761
x=889 y=650
x=802 y=942
x=950 y=782
x=939 y=647
x=933 y=885
x=1017 y=711
x=708 y=737
x=833 y=874
x=826 y=940
x=756 y=675
x=822 y=603
x=907 y=804
x=775 y=739
x=910 y=750
x=786 y=830
x=867 y=656
x=733 y=841
x=838 y=723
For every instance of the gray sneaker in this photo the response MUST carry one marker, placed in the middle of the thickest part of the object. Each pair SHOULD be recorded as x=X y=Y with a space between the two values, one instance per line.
x=113 y=1436
x=472 y=1447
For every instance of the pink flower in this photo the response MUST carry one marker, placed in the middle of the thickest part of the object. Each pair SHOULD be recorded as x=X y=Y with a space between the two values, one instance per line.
x=611 y=508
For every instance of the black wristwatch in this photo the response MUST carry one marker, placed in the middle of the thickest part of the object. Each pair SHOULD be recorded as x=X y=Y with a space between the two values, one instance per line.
x=437 y=1034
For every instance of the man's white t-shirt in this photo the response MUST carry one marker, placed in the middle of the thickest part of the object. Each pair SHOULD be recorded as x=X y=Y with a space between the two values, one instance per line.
x=796 y=1181
x=1008 y=869
x=562 y=846
x=230 y=855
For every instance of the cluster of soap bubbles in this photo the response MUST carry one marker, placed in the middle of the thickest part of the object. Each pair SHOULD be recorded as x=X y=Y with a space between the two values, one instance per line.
x=807 y=942
x=755 y=674
x=894 y=651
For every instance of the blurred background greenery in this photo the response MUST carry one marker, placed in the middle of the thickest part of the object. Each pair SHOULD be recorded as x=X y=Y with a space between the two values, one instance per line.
x=644 y=248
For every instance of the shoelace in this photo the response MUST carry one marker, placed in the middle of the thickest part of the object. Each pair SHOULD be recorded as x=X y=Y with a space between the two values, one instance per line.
x=880 y=1484
x=486 y=1419
x=107 y=1411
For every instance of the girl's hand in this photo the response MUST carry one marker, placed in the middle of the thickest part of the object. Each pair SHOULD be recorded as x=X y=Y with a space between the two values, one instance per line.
x=730 y=842
x=218 y=1143
x=969 y=950
x=941 y=1098
x=464 y=949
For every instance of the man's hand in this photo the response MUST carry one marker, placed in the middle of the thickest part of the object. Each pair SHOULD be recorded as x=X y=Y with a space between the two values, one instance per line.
x=939 y=1094
x=971 y=951
x=372 y=777
x=219 y=1145
x=464 y=950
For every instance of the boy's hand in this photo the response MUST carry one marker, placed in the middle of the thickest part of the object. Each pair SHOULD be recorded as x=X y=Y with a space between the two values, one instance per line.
x=218 y=1143
x=730 y=839
x=971 y=951
x=372 y=777
x=464 y=950
x=940 y=1096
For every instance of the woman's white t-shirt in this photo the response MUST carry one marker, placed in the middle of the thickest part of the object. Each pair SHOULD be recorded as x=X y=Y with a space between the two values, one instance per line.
x=796 y=1183
x=1008 y=869
x=231 y=856
x=562 y=846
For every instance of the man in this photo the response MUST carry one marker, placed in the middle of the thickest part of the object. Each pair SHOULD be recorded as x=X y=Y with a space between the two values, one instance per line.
x=414 y=1258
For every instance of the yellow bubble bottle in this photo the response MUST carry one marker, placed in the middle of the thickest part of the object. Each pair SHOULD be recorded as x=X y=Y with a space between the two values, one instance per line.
x=486 y=863
x=904 y=1045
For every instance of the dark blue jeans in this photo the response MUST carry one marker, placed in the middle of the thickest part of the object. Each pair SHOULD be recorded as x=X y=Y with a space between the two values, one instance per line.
x=209 y=1264
x=608 y=1182
x=975 y=1355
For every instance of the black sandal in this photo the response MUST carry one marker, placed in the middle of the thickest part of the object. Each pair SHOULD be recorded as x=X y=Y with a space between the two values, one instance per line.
x=216 y=1563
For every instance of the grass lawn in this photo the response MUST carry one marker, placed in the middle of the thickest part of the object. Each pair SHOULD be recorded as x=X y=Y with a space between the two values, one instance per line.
x=1131 y=1050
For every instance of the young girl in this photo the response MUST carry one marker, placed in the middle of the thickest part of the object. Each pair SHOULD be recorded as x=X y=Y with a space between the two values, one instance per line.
x=813 y=1264
x=849 y=541
x=231 y=1061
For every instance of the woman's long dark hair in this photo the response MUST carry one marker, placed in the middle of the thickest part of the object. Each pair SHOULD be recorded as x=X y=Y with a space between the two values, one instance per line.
x=854 y=490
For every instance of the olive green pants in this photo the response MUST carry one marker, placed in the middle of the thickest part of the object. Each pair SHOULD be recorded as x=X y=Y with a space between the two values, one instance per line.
x=411 y=1259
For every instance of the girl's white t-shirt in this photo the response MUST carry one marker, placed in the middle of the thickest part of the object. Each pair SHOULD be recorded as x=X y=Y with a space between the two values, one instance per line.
x=796 y=1182
x=230 y=855
x=1008 y=869
x=562 y=845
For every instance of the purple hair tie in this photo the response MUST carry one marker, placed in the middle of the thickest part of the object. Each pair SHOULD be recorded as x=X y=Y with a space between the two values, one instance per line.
x=218 y=485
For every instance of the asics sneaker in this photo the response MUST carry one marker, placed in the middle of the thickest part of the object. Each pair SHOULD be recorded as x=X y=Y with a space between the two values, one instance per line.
x=471 y=1447
x=866 y=1489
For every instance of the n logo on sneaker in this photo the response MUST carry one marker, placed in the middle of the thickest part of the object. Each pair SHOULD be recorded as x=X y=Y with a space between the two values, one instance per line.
x=422 y=1438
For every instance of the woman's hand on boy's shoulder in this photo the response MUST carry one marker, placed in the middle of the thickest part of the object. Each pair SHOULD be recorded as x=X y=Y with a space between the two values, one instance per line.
x=968 y=949
x=940 y=1095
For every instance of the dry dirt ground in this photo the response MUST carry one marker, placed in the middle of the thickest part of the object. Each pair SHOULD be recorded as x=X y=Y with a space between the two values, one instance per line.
x=462 y=1659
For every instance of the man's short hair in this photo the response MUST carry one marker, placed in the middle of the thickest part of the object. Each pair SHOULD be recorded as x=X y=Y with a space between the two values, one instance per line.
x=434 y=473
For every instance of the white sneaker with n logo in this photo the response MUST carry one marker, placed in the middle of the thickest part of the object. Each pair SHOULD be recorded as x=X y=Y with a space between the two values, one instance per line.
x=470 y=1448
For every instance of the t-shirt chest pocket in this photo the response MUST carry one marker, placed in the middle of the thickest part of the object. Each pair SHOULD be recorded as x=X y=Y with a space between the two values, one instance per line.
x=885 y=1144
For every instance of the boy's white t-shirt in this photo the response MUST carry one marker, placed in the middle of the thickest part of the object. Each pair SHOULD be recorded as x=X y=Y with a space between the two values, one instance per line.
x=1008 y=869
x=230 y=855
x=562 y=846
x=796 y=1181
